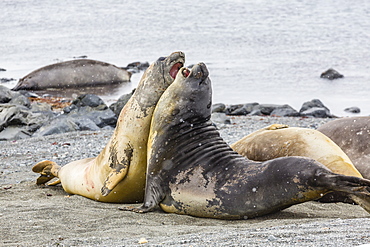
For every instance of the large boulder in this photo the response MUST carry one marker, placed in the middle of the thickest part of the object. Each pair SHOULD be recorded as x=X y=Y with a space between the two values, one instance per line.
x=121 y=102
x=315 y=108
x=331 y=74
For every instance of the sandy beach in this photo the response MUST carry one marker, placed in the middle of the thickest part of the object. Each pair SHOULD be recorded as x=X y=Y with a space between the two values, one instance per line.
x=34 y=215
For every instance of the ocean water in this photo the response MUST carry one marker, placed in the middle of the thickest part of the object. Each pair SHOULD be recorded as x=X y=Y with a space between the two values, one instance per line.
x=257 y=51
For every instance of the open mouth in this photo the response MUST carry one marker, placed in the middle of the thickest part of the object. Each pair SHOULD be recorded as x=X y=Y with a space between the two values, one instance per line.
x=185 y=72
x=175 y=69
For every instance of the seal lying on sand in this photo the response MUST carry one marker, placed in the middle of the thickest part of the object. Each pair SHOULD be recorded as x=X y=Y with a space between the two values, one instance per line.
x=117 y=174
x=352 y=135
x=191 y=170
x=74 y=73
x=280 y=140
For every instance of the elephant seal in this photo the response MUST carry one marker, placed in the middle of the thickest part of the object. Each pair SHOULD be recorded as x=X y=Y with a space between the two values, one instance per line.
x=72 y=74
x=352 y=135
x=117 y=174
x=280 y=140
x=191 y=169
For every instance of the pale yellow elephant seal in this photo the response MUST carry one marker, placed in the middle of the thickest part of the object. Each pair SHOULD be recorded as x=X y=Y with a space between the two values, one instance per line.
x=280 y=140
x=117 y=174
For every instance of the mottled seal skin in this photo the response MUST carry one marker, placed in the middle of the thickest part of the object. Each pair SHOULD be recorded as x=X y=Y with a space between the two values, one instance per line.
x=72 y=74
x=280 y=140
x=352 y=135
x=117 y=174
x=191 y=170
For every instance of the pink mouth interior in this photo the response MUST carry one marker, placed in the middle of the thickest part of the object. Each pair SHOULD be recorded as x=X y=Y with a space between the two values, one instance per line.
x=175 y=69
x=186 y=72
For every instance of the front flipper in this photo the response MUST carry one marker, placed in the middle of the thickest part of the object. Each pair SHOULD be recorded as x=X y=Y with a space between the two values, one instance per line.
x=154 y=194
x=119 y=170
x=48 y=170
x=276 y=126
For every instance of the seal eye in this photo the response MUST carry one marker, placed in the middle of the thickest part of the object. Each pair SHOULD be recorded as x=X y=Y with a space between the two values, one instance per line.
x=161 y=59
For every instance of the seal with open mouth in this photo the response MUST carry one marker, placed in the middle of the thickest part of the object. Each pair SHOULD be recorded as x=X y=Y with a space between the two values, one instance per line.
x=117 y=174
x=191 y=170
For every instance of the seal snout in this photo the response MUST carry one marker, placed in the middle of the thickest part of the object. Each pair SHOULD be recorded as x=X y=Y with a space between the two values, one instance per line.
x=200 y=71
x=179 y=59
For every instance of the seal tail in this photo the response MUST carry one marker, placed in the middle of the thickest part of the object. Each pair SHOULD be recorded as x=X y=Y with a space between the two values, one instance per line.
x=358 y=189
x=48 y=170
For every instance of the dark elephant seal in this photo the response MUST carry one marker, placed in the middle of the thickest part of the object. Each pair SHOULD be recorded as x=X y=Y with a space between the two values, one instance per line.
x=72 y=74
x=352 y=135
x=117 y=174
x=191 y=170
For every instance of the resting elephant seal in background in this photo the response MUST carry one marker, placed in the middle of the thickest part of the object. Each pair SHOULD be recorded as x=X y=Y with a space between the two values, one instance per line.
x=74 y=73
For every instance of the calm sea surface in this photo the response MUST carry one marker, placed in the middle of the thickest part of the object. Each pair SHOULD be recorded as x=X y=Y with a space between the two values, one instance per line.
x=257 y=51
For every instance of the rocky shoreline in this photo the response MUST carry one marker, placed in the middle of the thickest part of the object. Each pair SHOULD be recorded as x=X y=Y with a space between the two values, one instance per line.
x=24 y=114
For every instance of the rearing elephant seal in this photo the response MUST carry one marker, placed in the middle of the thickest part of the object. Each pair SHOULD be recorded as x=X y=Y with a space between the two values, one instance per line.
x=117 y=174
x=191 y=170
x=74 y=73
x=352 y=135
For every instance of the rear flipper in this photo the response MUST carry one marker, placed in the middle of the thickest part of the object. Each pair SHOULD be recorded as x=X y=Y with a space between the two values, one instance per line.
x=358 y=189
x=48 y=170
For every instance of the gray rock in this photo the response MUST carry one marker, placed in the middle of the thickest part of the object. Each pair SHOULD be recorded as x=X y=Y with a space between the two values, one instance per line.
x=256 y=112
x=241 y=109
x=37 y=119
x=85 y=123
x=121 y=102
x=353 y=109
x=5 y=94
x=219 y=117
x=13 y=115
x=40 y=107
x=19 y=99
x=219 y=107
x=91 y=100
x=58 y=125
x=315 y=103
x=315 y=108
x=103 y=118
x=284 y=111
x=266 y=109
x=331 y=74
x=318 y=112
x=14 y=133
